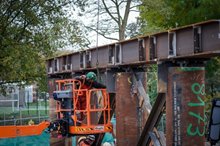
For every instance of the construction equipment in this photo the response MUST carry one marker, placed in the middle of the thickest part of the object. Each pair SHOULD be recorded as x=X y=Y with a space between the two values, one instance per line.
x=23 y=130
x=72 y=117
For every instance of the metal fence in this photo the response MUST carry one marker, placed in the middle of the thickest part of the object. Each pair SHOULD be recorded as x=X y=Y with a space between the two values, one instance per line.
x=21 y=121
x=36 y=111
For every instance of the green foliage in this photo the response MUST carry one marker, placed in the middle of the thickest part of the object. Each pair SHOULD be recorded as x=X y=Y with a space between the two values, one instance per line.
x=31 y=31
x=212 y=81
x=165 y=14
x=154 y=15
x=212 y=77
x=152 y=83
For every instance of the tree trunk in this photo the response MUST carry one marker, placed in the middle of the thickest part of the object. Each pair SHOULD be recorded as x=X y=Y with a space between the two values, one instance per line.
x=124 y=22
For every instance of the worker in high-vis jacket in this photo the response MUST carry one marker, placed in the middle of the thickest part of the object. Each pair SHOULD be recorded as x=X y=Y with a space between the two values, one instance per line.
x=88 y=81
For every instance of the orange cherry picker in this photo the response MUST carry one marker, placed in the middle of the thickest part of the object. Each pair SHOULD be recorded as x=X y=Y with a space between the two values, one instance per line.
x=69 y=113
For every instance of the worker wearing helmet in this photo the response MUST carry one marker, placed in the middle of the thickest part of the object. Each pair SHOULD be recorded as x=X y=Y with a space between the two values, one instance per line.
x=88 y=81
x=91 y=76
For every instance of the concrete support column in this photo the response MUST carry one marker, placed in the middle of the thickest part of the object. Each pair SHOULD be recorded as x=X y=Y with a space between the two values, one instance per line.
x=185 y=123
x=126 y=111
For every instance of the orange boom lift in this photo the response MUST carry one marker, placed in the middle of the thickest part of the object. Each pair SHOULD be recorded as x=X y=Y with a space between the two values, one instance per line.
x=69 y=114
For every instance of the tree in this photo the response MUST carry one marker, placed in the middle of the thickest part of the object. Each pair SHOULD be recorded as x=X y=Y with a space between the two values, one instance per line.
x=165 y=14
x=113 y=17
x=154 y=15
x=212 y=81
x=152 y=83
x=30 y=31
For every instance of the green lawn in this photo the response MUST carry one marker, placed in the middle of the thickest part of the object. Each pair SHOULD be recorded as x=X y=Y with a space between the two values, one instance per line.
x=29 y=112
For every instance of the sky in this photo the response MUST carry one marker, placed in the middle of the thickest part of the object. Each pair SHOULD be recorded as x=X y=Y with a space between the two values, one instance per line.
x=92 y=36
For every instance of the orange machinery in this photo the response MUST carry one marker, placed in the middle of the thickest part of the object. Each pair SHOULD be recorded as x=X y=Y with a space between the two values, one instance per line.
x=69 y=115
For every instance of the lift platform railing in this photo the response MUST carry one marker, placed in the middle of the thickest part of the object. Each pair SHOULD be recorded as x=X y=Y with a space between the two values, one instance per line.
x=85 y=119
x=99 y=137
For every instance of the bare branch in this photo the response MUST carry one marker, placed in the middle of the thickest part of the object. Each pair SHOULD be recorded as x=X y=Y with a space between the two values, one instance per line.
x=102 y=34
x=113 y=13
x=134 y=11
x=110 y=38
x=107 y=10
x=118 y=12
x=115 y=2
x=124 y=21
x=122 y=2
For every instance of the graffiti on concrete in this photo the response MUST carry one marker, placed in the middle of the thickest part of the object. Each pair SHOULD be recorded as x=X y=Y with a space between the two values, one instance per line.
x=197 y=128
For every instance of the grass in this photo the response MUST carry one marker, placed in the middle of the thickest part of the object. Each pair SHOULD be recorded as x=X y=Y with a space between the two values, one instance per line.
x=24 y=114
x=7 y=113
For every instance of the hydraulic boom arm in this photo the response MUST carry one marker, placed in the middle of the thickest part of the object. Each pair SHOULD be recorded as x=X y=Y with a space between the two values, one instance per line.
x=24 y=130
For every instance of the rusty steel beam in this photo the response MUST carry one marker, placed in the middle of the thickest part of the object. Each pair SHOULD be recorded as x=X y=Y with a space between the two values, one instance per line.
x=200 y=40
x=185 y=119
x=126 y=112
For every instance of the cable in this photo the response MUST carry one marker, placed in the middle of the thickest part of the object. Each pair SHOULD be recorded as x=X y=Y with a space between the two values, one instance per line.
x=97 y=43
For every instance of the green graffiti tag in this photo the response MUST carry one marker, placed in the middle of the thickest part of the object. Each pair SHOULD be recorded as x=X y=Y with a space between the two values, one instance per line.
x=201 y=103
x=196 y=131
x=192 y=130
x=197 y=116
x=201 y=89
